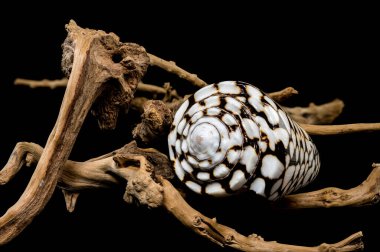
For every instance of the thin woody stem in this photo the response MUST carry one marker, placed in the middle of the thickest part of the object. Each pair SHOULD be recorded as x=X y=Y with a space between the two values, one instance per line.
x=97 y=173
x=171 y=67
x=340 y=129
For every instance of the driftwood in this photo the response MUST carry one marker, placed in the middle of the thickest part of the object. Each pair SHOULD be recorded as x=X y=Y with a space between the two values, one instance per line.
x=104 y=74
x=148 y=184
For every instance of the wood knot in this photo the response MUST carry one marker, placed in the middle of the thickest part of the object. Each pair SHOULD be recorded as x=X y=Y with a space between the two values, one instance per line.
x=229 y=238
x=197 y=221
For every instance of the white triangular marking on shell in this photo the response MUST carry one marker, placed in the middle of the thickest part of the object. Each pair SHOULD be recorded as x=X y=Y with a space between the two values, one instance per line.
x=194 y=109
x=298 y=138
x=263 y=146
x=204 y=176
x=181 y=126
x=196 y=117
x=253 y=92
x=249 y=159
x=311 y=156
x=274 y=196
x=303 y=169
x=185 y=166
x=256 y=104
x=229 y=119
x=308 y=175
x=250 y=128
x=186 y=130
x=291 y=149
x=258 y=186
x=255 y=98
x=309 y=145
x=237 y=180
x=306 y=157
x=270 y=134
x=288 y=175
x=178 y=147
x=233 y=156
x=179 y=170
x=302 y=155
x=297 y=153
x=204 y=165
x=215 y=189
x=217 y=158
x=192 y=161
x=221 y=171
x=172 y=137
x=212 y=101
x=228 y=87
x=171 y=153
x=233 y=105
x=271 y=114
x=287 y=160
x=270 y=101
x=284 y=119
x=294 y=139
x=194 y=186
x=271 y=167
x=304 y=134
x=297 y=170
x=275 y=186
x=236 y=138
x=180 y=112
x=213 y=111
x=283 y=136
x=242 y=99
x=205 y=92
x=184 y=147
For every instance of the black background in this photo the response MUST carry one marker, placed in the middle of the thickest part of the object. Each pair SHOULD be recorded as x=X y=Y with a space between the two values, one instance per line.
x=323 y=51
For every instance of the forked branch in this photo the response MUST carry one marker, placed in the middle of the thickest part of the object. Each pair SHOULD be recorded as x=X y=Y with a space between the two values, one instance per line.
x=367 y=193
x=88 y=58
x=95 y=173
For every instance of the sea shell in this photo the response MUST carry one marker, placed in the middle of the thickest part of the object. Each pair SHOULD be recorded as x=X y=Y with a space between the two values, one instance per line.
x=230 y=137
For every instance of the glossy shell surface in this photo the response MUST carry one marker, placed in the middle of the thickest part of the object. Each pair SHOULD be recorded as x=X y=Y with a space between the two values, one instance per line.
x=231 y=137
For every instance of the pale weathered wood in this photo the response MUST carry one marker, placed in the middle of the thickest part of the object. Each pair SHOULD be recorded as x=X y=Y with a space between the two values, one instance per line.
x=97 y=173
x=367 y=193
x=89 y=60
x=282 y=95
x=88 y=57
x=171 y=67
x=340 y=129
x=316 y=114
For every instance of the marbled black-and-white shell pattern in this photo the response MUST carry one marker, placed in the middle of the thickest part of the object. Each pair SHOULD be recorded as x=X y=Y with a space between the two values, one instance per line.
x=230 y=137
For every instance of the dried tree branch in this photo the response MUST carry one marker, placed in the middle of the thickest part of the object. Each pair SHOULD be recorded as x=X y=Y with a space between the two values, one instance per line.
x=323 y=130
x=317 y=114
x=156 y=121
x=147 y=184
x=88 y=71
x=52 y=84
x=22 y=154
x=222 y=235
x=283 y=95
x=171 y=67
x=150 y=88
x=45 y=83
x=225 y=236
x=314 y=114
x=367 y=193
